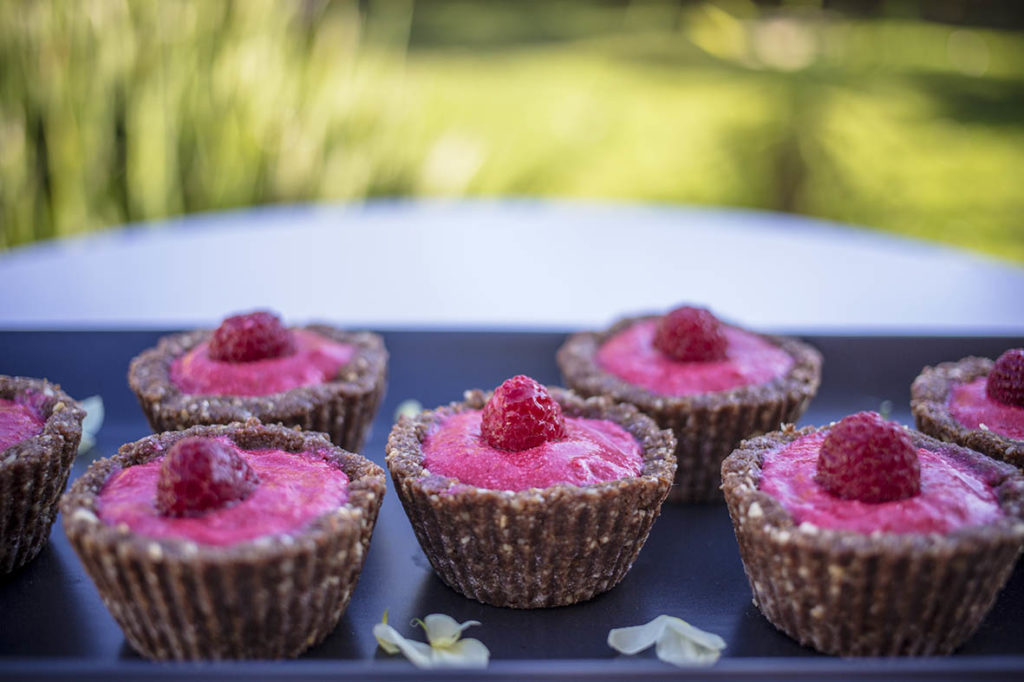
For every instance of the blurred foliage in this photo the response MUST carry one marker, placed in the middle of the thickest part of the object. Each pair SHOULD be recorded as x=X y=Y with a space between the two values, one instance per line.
x=114 y=111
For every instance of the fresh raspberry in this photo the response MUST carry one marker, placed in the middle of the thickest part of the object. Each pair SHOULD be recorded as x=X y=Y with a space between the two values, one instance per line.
x=249 y=337
x=521 y=414
x=690 y=335
x=1006 y=380
x=201 y=474
x=867 y=458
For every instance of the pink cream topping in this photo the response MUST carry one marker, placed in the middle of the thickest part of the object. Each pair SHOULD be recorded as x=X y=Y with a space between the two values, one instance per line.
x=749 y=360
x=18 y=422
x=951 y=496
x=294 y=489
x=970 y=406
x=593 y=451
x=316 y=360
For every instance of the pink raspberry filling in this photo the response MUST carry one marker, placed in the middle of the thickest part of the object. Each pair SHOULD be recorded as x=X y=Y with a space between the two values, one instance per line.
x=593 y=451
x=951 y=497
x=18 y=422
x=749 y=360
x=316 y=360
x=294 y=489
x=970 y=406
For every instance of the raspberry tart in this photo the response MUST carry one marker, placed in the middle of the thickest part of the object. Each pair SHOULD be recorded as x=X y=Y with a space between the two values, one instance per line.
x=40 y=428
x=975 y=402
x=864 y=538
x=711 y=383
x=315 y=378
x=531 y=497
x=236 y=541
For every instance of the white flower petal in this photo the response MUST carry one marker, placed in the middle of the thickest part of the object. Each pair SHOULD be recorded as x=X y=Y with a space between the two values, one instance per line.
x=443 y=630
x=392 y=642
x=465 y=653
x=386 y=636
x=680 y=650
x=678 y=642
x=635 y=639
x=446 y=649
x=701 y=638
x=408 y=408
x=92 y=423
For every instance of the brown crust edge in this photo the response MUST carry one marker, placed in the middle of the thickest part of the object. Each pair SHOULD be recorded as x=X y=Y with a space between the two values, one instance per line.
x=539 y=547
x=344 y=408
x=34 y=472
x=928 y=402
x=272 y=597
x=707 y=426
x=883 y=594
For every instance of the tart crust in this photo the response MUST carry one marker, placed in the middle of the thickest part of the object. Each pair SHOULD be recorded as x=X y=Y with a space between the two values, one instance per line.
x=538 y=547
x=880 y=594
x=929 y=396
x=342 y=408
x=271 y=597
x=707 y=426
x=34 y=472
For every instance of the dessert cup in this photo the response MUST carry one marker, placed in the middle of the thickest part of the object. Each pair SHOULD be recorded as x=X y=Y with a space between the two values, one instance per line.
x=929 y=402
x=538 y=547
x=343 y=408
x=707 y=426
x=271 y=597
x=34 y=471
x=872 y=594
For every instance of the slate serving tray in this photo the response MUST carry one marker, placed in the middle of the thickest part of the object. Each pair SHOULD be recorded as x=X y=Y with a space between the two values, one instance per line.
x=54 y=626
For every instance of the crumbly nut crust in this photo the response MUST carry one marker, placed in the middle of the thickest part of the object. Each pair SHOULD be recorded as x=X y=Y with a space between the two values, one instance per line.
x=34 y=472
x=928 y=401
x=539 y=547
x=272 y=597
x=881 y=594
x=707 y=426
x=343 y=408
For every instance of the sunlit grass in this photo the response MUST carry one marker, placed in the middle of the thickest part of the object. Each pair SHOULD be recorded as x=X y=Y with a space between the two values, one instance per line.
x=126 y=111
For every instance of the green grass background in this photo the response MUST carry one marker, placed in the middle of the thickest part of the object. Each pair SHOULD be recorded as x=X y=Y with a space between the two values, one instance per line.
x=115 y=111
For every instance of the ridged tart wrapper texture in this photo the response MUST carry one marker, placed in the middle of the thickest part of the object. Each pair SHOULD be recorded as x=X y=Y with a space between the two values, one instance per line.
x=539 y=547
x=273 y=597
x=707 y=426
x=34 y=472
x=343 y=408
x=929 y=395
x=881 y=594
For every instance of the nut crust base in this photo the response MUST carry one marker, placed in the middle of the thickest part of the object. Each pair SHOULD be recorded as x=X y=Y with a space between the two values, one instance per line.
x=539 y=547
x=883 y=594
x=928 y=401
x=272 y=597
x=707 y=426
x=343 y=408
x=34 y=472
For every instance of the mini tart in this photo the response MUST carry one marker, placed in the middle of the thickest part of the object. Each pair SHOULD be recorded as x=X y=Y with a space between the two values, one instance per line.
x=538 y=547
x=343 y=408
x=34 y=472
x=707 y=426
x=929 y=398
x=879 y=594
x=272 y=597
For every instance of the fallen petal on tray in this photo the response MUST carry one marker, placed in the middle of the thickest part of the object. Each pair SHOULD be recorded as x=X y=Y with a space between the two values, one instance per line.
x=92 y=423
x=446 y=648
x=677 y=642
